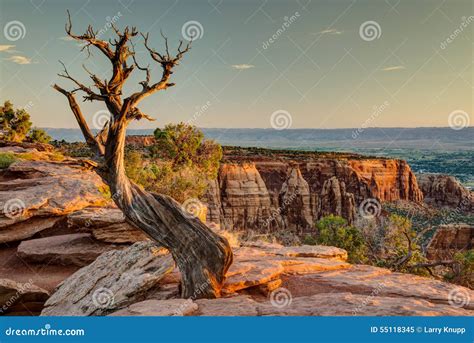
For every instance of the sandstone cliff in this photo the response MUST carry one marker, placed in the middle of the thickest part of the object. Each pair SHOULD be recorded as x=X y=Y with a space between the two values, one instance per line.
x=446 y=191
x=286 y=190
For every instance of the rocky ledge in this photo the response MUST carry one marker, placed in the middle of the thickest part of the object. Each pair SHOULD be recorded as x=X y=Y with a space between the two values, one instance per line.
x=265 y=279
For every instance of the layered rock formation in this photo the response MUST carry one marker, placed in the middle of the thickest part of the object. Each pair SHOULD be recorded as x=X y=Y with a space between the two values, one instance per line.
x=446 y=191
x=448 y=240
x=292 y=190
x=35 y=194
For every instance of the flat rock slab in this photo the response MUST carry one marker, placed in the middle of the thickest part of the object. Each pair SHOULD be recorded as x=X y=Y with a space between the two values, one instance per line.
x=159 y=308
x=248 y=274
x=319 y=251
x=119 y=233
x=242 y=305
x=106 y=225
x=348 y=304
x=77 y=249
x=26 y=229
x=22 y=299
x=93 y=217
x=113 y=281
x=45 y=189
x=366 y=279
x=310 y=265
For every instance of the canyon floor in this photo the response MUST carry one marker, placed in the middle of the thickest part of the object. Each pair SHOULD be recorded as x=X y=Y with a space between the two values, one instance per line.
x=66 y=250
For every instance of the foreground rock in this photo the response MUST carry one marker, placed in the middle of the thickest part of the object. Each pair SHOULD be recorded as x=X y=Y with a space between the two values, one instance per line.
x=78 y=249
x=21 y=299
x=26 y=229
x=33 y=189
x=115 y=280
x=159 y=308
x=375 y=281
x=106 y=225
x=265 y=279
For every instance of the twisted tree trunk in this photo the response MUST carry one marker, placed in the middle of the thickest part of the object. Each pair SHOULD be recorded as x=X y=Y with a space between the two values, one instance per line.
x=203 y=257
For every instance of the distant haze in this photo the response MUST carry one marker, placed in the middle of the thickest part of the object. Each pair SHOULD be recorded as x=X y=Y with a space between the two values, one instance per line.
x=436 y=139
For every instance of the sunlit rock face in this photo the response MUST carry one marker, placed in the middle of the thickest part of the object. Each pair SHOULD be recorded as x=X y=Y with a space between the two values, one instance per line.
x=448 y=240
x=291 y=191
x=446 y=191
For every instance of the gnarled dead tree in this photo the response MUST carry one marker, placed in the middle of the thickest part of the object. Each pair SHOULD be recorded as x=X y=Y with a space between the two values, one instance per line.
x=202 y=256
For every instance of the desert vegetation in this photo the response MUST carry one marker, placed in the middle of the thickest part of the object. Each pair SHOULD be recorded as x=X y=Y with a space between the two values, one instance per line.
x=179 y=164
x=16 y=126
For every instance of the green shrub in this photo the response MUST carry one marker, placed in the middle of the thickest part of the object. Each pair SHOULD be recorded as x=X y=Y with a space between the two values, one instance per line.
x=6 y=159
x=180 y=165
x=14 y=124
x=334 y=231
x=38 y=136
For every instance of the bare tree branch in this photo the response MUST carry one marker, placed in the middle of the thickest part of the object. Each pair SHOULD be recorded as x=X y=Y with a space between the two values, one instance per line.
x=89 y=137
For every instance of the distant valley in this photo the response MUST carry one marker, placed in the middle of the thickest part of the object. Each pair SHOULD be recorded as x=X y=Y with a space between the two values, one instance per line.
x=427 y=150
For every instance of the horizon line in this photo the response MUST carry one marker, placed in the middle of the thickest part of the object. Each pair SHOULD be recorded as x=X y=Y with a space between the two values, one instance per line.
x=272 y=129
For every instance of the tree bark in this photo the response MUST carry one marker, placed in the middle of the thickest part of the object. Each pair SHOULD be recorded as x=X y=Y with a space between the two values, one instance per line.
x=202 y=256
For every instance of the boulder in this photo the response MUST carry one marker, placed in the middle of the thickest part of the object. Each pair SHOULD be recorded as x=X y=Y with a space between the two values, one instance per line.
x=78 y=249
x=113 y=281
x=21 y=299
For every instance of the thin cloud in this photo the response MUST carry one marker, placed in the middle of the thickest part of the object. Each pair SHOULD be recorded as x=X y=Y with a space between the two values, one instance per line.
x=242 y=66
x=19 y=59
x=393 y=68
x=6 y=48
x=330 y=32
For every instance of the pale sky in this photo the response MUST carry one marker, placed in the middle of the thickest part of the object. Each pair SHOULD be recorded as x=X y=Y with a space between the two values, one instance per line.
x=321 y=69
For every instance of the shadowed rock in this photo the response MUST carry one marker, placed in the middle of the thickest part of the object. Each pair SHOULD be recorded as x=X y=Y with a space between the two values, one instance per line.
x=78 y=249
x=116 y=279
x=21 y=299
